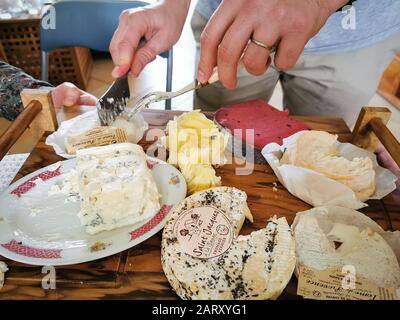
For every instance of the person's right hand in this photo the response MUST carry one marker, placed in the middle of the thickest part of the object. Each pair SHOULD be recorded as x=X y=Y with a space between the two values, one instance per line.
x=160 y=25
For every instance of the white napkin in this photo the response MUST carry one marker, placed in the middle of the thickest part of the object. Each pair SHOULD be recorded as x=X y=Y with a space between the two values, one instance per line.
x=9 y=167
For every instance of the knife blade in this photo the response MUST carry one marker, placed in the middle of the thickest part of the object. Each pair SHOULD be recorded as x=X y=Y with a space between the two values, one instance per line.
x=114 y=102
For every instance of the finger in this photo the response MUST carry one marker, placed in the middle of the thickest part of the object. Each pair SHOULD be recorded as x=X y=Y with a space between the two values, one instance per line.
x=114 y=43
x=127 y=40
x=289 y=50
x=147 y=53
x=87 y=100
x=229 y=52
x=117 y=37
x=210 y=40
x=257 y=58
x=70 y=96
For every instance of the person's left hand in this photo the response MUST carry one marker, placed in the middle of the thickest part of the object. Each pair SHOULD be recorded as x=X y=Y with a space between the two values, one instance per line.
x=287 y=24
x=67 y=94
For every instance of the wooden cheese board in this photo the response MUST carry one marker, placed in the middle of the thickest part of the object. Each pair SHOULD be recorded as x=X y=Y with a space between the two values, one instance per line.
x=136 y=273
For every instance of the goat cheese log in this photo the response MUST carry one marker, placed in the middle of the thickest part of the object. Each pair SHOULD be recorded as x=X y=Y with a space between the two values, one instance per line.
x=257 y=266
x=116 y=187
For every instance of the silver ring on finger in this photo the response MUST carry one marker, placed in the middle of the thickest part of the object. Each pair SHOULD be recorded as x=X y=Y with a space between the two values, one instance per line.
x=271 y=49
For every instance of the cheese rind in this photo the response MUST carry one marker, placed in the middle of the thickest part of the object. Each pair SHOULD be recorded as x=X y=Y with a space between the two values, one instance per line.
x=116 y=187
x=333 y=237
x=257 y=266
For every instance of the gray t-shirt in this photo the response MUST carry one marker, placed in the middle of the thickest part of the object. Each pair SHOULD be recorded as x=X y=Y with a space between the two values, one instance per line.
x=367 y=23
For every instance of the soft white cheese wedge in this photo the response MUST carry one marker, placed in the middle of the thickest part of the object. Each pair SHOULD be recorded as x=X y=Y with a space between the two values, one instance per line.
x=116 y=187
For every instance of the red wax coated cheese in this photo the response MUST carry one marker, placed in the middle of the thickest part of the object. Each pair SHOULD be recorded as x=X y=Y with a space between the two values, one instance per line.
x=268 y=123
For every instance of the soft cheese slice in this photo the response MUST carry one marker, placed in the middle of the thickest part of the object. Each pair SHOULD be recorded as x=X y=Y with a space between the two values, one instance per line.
x=316 y=150
x=116 y=187
x=332 y=237
x=257 y=266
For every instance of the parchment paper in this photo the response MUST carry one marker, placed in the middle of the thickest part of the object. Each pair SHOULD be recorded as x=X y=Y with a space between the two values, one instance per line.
x=318 y=190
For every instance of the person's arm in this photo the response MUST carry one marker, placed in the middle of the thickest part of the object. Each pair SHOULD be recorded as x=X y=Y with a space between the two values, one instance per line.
x=159 y=25
x=285 y=24
x=13 y=80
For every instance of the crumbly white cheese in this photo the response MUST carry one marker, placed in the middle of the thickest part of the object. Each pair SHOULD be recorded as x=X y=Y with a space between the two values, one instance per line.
x=3 y=269
x=257 y=266
x=69 y=187
x=116 y=187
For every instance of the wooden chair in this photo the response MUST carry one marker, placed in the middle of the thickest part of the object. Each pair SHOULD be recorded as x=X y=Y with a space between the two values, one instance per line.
x=371 y=128
x=39 y=115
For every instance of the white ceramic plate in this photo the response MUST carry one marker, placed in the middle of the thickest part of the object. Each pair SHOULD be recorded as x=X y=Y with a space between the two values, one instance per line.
x=39 y=229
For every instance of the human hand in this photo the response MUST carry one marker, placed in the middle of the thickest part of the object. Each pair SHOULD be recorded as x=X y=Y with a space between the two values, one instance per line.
x=287 y=24
x=387 y=161
x=67 y=94
x=160 y=25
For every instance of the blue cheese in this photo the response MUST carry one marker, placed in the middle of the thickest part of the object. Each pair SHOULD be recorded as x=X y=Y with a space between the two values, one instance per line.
x=116 y=187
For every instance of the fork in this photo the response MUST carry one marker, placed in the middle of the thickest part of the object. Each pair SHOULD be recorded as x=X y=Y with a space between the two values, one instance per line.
x=157 y=96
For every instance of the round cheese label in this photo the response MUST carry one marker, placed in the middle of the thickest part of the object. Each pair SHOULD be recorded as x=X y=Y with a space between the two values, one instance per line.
x=204 y=232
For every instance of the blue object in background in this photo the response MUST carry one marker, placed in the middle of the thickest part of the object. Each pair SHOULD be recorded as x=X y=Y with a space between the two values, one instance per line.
x=88 y=24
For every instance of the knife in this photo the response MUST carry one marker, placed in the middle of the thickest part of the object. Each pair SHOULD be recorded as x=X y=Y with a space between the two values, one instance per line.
x=114 y=101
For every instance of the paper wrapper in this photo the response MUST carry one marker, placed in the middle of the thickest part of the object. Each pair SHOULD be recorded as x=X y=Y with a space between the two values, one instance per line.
x=319 y=190
x=85 y=122
x=353 y=218
x=326 y=217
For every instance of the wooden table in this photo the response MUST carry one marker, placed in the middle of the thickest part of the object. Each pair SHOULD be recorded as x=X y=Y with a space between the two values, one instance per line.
x=136 y=273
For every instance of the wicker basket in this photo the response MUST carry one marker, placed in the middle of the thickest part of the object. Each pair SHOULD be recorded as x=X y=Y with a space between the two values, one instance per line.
x=20 y=47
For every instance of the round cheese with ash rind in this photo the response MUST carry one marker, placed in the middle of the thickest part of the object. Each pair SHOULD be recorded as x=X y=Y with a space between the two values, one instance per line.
x=256 y=266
